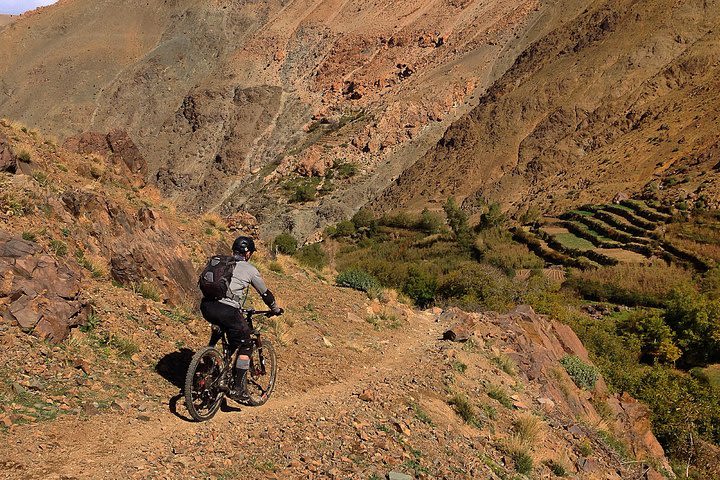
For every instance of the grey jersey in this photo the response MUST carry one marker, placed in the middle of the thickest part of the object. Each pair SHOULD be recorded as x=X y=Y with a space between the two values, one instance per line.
x=244 y=275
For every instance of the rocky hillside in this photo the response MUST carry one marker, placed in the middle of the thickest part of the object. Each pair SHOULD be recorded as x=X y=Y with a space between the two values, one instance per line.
x=231 y=102
x=6 y=19
x=98 y=324
x=621 y=99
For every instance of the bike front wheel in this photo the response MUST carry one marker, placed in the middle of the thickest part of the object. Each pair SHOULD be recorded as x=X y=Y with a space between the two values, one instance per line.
x=259 y=381
x=203 y=394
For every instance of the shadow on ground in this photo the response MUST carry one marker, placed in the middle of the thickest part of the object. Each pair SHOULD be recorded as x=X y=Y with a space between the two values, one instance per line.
x=173 y=366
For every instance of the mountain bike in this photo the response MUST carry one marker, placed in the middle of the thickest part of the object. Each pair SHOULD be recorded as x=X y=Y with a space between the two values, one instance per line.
x=211 y=374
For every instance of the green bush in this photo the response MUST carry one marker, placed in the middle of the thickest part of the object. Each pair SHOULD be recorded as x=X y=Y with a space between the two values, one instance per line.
x=302 y=189
x=583 y=374
x=147 y=289
x=359 y=280
x=125 y=347
x=363 y=218
x=496 y=247
x=285 y=244
x=497 y=393
x=695 y=320
x=420 y=286
x=465 y=410
x=345 y=170
x=458 y=222
x=494 y=217
x=474 y=285
x=399 y=220
x=656 y=337
x=312 y=256
x=523 y=461
x=557 y=468
x=346 y=228
x=430 y=222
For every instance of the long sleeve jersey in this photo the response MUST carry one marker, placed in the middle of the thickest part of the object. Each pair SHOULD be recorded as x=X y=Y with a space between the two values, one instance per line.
x=244 y=275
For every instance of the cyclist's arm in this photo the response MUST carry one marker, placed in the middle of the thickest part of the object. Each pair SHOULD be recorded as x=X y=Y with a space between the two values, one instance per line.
x=259 y=285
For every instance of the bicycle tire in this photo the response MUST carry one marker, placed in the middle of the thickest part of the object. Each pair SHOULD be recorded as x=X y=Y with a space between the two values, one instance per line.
x=209 y=398
x=252 y=378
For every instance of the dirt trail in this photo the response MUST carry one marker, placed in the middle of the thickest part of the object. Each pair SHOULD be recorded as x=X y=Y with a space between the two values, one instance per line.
x=117 y=444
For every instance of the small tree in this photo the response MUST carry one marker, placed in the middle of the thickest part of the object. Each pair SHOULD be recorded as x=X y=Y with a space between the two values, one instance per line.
x=494 y=217
x=458 y=222
x=363 y=219
x=345 y=228
x=420 y=286
x=285 y=244
x=430 y=222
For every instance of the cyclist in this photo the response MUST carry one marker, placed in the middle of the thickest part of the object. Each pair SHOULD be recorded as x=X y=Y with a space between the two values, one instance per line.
x=227 y=312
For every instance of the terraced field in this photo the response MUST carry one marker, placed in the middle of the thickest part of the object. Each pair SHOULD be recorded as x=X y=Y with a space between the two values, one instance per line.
x=630 y=232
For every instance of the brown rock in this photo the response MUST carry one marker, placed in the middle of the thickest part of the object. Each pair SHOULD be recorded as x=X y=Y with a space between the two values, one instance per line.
x=367 y=396
x=463 y=325
x=124 y=149
x=42 y=295
x=314 y=162
x=8 y=160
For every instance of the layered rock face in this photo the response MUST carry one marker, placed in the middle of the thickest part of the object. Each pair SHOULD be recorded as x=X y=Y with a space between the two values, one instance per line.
x=217 y=95
x=620 y=99
x=36 y=291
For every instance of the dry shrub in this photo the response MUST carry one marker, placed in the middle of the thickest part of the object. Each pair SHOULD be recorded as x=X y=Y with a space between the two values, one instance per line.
x=527 y=431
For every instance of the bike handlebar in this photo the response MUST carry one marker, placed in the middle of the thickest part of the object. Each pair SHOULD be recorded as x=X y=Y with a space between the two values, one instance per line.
x=252 y=312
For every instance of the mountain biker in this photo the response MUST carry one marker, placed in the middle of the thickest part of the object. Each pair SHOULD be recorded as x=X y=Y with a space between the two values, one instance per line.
x=227 y=312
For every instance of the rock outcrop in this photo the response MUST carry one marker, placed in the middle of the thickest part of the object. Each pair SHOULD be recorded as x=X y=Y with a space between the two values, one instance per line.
x=8 y=160
x=536 y=344
x=116 y=146
x=36 y=291
x=140 y=245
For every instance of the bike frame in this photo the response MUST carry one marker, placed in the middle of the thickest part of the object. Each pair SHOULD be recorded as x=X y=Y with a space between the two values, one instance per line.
x=230 y=359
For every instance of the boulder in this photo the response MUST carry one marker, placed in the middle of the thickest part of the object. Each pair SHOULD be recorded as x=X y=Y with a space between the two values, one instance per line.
x=8 y=160
x=39 y=294
x=463 y=325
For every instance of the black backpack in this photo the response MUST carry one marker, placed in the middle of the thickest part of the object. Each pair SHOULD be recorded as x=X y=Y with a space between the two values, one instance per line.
x=215 y=278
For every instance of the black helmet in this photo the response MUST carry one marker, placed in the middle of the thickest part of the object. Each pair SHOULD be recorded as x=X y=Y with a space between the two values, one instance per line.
x=243 y=245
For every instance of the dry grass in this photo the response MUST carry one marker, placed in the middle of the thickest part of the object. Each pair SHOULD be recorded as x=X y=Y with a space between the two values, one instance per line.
x=528 y=431
x=631 y=284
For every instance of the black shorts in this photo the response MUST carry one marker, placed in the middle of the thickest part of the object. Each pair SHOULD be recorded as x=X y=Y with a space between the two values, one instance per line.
x=231 y=321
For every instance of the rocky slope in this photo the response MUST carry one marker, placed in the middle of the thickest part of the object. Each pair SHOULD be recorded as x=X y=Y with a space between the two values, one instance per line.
x=365 y=387
x=6 y=19
x=621 y=99
x=229 y=100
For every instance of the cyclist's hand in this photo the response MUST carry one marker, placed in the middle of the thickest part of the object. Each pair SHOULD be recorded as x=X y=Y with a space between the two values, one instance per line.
x=278 y=311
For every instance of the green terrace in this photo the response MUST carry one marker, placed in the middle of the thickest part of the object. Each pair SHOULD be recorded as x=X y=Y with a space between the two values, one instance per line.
x=631 y=232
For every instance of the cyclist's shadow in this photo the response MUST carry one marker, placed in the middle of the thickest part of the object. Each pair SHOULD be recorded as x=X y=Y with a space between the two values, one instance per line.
x=172 y=367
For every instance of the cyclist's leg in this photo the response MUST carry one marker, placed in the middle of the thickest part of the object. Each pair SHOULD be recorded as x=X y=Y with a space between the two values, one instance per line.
x=212 y=311
x=241 y=333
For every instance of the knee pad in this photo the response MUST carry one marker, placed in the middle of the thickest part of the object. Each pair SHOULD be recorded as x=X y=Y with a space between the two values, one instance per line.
x=242 y=364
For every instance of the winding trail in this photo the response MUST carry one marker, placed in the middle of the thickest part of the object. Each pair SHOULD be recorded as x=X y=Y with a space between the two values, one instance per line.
x=125 y=444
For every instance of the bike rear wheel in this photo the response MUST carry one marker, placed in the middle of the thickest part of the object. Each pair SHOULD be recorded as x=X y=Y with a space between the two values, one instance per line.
x=259 y=381
x=202 y=384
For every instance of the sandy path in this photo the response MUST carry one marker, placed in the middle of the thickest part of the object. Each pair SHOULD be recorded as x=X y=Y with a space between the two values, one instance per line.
x=115 y=444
